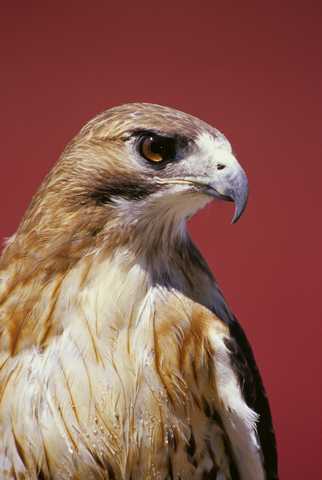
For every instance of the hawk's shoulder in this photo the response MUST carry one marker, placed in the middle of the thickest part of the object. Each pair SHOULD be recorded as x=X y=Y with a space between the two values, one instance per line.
x=244 y=365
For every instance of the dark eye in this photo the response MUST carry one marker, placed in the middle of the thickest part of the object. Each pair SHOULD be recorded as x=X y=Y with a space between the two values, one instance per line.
x=156 y=149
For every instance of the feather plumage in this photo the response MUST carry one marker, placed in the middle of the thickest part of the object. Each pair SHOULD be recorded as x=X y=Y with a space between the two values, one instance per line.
x=116 y=346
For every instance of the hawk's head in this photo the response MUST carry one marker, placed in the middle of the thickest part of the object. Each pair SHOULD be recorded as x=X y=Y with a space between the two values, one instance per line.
x=137 y=165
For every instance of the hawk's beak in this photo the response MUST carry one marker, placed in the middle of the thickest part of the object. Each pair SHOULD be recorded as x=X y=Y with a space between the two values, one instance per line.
x=227 y=181
x=230 y=183
x=239 y=194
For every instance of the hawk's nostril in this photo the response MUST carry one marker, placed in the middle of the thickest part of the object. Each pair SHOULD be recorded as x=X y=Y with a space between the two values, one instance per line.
x=220 y=166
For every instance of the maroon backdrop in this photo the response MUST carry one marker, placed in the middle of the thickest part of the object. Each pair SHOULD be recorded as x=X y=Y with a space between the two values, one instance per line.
x=252 y=70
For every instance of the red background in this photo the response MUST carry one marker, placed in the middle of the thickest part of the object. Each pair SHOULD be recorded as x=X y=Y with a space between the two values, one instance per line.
x=251 y=69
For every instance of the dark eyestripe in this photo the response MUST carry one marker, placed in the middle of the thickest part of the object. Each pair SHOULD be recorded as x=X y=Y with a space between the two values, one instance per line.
x=124 y=188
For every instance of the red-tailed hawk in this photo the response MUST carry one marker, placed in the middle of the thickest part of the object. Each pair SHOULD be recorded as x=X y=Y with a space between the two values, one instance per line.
x=119 y=358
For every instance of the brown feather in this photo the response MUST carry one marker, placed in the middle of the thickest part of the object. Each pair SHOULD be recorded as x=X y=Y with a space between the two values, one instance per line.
x=106 y=351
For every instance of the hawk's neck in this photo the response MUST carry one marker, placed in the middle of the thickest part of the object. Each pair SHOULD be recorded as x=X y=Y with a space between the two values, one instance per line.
x=41 y=289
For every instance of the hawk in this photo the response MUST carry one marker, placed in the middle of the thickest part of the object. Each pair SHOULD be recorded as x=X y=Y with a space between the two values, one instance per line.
x=119 y=357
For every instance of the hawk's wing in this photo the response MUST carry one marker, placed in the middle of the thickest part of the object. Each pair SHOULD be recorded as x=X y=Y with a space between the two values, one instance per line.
x=243 y=361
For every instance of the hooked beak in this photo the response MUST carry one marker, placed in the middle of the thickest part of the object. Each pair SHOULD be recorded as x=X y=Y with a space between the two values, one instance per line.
x=229 y=182
x=234 y=189
x=226 y=181
x=239 y=194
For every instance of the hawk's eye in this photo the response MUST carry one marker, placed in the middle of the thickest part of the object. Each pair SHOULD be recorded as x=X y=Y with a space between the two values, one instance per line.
x=156 y=149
